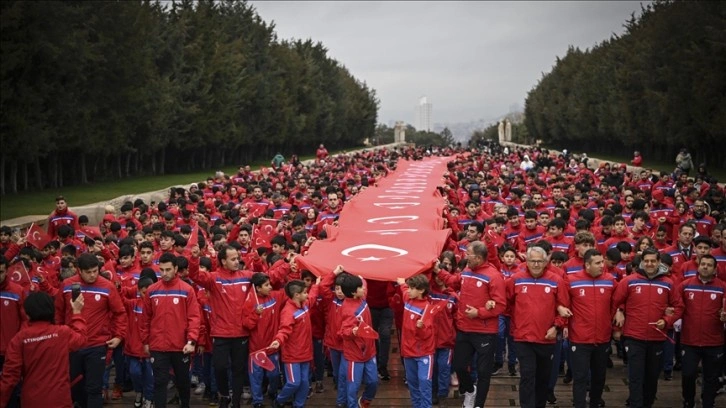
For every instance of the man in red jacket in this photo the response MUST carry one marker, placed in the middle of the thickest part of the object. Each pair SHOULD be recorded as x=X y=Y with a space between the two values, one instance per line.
x=61 y=216
x=12 y=296
x=170 y=330
x=102 y=300
x=646 y=295
x=482 y=300
x=39 y=354
x=702 y=336
x=228 y=288
x=589 y=327
x=533 y=296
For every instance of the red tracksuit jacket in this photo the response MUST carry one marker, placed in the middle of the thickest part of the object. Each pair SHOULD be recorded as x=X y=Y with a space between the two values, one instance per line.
x=263 y=327
x=171 y=316
x=295 y=334
x=102 y=301
x=478 y=286
x=227 y=296
x=444 y=329
x=133 y=346
x=415 y=341
x=12 y=315
x=331 y=338
x=645 y=301
x=532 y=304
x=39 y=355
x=702 y=303
x=352 y=313
x=590 y=302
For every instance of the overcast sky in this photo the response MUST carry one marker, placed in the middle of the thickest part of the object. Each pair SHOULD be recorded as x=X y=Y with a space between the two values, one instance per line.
x=473 y=60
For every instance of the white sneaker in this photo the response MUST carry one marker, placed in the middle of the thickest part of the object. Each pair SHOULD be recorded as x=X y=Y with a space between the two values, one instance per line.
x=195 y=381
x=246 y=393
x=454 y=380
x=200 y=389
x=148 y=404
x=469 y=398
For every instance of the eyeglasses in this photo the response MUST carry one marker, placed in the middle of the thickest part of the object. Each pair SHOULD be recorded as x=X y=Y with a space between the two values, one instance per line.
x=536 y=261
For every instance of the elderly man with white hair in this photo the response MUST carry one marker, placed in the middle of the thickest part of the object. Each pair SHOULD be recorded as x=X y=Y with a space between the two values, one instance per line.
x=533 y=296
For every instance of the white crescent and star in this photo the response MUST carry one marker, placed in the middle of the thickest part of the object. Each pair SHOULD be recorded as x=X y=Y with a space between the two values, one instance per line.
x=398 y=251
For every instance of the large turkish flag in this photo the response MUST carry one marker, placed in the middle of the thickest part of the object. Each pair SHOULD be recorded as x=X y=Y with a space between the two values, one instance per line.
x=390 y=231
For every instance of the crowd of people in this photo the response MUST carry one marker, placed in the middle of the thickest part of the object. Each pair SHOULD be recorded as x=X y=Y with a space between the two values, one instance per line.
x=550 y=263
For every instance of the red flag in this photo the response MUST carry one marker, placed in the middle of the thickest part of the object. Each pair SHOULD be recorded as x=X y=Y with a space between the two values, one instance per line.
x=37 y=237
x=18 y=273
x=365 y=331
x=193 y=238
x=91 y=232
x=260 y=358
x=430 y=312
x=265 y=231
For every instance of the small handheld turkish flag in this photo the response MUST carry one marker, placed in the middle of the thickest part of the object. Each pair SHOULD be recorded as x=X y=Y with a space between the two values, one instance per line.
x=193 y=238
x=260 y=358
x=430 y=312
x=37 y=237
x=365 y=331
x=18 y=273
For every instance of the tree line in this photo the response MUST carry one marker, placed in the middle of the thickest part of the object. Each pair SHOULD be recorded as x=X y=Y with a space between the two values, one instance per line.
x=657 y=88
x=99 y=90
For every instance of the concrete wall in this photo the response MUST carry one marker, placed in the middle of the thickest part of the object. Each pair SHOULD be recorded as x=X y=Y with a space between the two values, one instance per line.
x=96 y=211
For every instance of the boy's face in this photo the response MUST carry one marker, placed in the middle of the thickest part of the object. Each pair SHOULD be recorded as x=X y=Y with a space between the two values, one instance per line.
x=509 y=258
x=265 y=289
x=554 y=231
x=661 y=235
x=359 y=293
x=625 y=256
x=142 y=291
x=619 y=227
x=414 y=293
x=308 y=282
x=530 y=223
x=126 y=261
x=277 y=248
x=339 y=293
x=544 y=219
x=556 y=262
x=301 y=297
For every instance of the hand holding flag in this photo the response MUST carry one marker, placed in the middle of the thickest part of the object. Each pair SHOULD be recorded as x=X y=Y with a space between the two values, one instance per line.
x=261 y=359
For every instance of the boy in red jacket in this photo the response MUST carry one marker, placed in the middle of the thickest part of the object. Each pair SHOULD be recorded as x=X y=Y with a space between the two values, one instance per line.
x=418 y=342
x=296 y=338
x=142 y=375
x=39 y=354
x=332 y=302
x=261 y=316
x=359 y=353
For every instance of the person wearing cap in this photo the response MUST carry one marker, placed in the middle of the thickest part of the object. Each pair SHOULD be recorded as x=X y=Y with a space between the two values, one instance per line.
x=39 y=354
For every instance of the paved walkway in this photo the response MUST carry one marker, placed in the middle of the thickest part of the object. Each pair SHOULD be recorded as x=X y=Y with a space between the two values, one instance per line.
x=503 y=391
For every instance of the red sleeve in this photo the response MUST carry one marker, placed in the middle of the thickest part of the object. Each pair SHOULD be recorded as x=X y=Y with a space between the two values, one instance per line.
x=60 y=307
x=286 y=323
x=12 y=369
x=146 y=316
x=201 y=278
x=563 y=299
x=193 y=317
x=12 y=252
x=676 y=301
x=77 y=332
x=119 y=319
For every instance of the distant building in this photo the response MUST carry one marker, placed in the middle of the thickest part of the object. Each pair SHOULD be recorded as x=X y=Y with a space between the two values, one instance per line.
x=422 y=115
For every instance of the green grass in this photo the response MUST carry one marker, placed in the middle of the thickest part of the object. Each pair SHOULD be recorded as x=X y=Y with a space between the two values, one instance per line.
x=43 y=202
